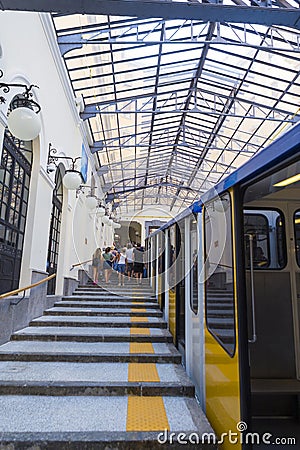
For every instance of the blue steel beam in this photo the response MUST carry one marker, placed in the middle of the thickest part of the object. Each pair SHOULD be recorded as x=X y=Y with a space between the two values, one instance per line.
x=289 y=17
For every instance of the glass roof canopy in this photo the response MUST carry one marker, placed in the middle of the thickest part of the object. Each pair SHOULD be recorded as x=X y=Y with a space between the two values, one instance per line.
x=174 y=106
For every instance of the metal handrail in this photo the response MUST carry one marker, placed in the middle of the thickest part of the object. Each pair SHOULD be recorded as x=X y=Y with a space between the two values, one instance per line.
x=80 y=263
x=17 y=291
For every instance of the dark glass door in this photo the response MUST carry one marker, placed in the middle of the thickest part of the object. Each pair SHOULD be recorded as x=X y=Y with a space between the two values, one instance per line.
x=54 y=236
x=15 y=171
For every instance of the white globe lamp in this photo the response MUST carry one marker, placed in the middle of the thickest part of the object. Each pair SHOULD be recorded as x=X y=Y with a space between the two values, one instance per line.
x=24 y=123
x=91 y=202
x=100 y=212
x=72 y=179
x=105 y=220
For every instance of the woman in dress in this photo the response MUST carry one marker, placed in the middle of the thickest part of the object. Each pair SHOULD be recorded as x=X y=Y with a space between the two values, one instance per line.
x=96 y=260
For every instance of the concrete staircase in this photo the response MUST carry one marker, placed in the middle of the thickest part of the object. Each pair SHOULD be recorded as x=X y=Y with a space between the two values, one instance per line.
x=97 y=371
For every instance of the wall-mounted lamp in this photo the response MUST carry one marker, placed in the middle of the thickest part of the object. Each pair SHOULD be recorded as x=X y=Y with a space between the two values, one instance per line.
x=100 y=211
x=91 y=201
x=105 y=220
x=72 y=178
x=23 y=120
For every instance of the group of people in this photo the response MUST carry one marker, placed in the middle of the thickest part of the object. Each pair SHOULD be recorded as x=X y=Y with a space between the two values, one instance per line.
x=128 y=261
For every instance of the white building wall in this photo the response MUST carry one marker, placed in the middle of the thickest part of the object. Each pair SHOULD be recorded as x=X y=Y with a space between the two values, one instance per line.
x=29 y=53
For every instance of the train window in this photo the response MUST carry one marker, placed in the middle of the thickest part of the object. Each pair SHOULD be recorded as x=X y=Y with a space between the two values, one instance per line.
x=219 y=275
x=154 y=255
x=280 y=241
x=172 y=258
x=161 y=251
x=194 y=264
x=266 y=227
x=297 y=235
x=256 y=225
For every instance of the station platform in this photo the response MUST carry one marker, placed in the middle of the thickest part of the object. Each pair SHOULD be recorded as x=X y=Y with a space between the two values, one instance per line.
x=98 y=371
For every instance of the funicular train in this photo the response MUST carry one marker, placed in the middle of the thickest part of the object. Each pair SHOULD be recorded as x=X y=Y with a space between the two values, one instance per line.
x=227 y=275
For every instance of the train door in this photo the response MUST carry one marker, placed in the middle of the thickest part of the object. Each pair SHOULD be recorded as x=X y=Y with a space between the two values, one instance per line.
x=180 y=288
x=148 y=258
x=161 y=270
x=171 y=274
x=224 y=398
x=194 y=305
x=294 y=251
x=153 y=262
x=271 y=213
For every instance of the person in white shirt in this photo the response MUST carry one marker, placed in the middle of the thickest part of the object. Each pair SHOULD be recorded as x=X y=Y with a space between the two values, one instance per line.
x=129 y=260
x=121 y=265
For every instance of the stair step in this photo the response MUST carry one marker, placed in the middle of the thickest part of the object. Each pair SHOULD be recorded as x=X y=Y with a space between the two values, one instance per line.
x=90 y=335
x=65 y=311
x=34 y=371
x=93 y=422
x=86 y=321
x=114 y=286
x=88 y=352
x=99 y=304
x=114 y=293
x=109 y=299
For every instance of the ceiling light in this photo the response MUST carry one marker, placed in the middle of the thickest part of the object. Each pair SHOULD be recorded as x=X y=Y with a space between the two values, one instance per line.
x=288 y=181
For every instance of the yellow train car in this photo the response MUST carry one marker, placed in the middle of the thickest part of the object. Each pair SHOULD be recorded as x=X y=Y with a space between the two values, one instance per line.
x=232 y=265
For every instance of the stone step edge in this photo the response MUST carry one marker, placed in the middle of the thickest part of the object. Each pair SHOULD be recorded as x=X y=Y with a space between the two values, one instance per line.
x=100 y=305
x=87 y=388
x=50 y=312
x=108 y=440
x=91 y=338
x=112 y=298
x=114 y=286
x=113 y=290
x=98 y=298
x=53 y=323
x=160 y=358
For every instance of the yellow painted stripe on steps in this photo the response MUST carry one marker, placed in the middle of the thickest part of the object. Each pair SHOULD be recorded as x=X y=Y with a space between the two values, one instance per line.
x=141 y=347
x=146 y=414
x=142 y=310
x=139 y=319
x=143 y=372
x=143 y=331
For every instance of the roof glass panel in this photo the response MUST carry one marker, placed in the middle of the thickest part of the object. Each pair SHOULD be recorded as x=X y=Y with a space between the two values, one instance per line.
x=178 y=103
